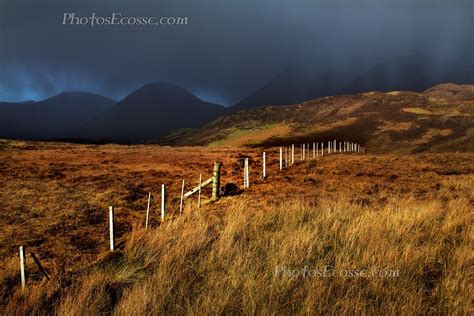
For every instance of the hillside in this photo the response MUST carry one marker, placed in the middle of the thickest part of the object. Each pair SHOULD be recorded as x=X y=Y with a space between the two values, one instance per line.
x=55 y=117
x=439 y=119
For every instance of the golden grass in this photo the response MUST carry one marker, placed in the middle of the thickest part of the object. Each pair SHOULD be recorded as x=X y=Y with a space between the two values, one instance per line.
x=206 y=264
x=417 y=111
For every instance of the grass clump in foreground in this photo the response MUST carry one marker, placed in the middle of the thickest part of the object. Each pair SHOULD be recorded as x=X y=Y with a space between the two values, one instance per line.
x=204 y=263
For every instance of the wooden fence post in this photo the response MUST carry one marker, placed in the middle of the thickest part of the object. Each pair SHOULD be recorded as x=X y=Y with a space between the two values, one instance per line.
x=317 y=150
x=200 y=189
x=182 y=199
x=22 y=268
x=216 y=181
x=163 y=202
x=40 y=266
x=303 y=151
x=111 y=228
x=281 y=158
x=286 y=156
x=292 y=154
x=247 y=172
x=264 y=166
x=322 y=149
x=147 y=210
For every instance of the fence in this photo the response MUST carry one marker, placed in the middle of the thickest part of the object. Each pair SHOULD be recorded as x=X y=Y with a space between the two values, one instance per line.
x=286 y=160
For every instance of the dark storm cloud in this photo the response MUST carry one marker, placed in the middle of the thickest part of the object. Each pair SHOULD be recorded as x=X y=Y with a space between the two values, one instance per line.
x=228 y=49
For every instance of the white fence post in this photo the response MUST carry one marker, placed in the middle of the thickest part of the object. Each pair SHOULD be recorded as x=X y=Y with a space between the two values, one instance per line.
x=22 y=268
x=199 y=194
x=246 y=173
x=292 y=154
x=148 y=210
x=264 y=166
x=182 y=199
x=163 y=202
x=111 y=228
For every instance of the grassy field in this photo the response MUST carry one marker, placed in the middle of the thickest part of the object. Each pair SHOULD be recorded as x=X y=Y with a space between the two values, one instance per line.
x=371 y=234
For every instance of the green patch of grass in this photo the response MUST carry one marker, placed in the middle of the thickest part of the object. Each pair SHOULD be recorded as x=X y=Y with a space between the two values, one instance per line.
x=418 y=111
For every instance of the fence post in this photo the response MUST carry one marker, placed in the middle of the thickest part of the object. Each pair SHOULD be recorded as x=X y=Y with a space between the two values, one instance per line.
x=163 y=202
x=40 y=266
x=292 y=154
x=182 y=199
x=281 y=158
x=317 y=150
x=303 y=146
x=22 y=268
x=111 y=228
x=216 y=181
x=199 y=194
x=322 y=149
x=148 y=210
x=264 y=166
x=247 y=172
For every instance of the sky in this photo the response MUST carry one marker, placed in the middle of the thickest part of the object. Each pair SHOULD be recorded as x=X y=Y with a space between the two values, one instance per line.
x=228 y=49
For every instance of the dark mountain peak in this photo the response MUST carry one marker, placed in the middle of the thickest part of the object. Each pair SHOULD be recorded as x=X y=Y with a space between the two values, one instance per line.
x=74 y=97
x=150 y=111
x=159 y=92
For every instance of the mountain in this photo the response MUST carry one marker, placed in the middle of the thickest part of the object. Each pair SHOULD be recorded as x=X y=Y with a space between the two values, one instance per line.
x=149 y=112
x=52 y=118
x=297 y=84
x=439 y=119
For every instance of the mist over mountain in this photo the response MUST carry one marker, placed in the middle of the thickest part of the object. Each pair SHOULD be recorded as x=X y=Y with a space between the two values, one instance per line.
x=301 y=83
